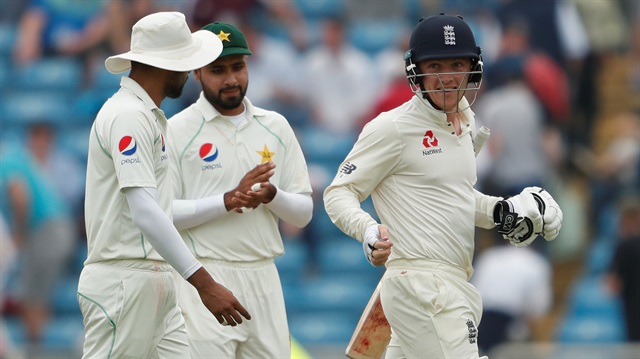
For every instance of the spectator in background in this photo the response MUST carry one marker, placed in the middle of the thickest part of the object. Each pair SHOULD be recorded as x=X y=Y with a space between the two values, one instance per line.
x=8 y=256
x=516 y=120
x=264 y=11
x=607 y=33
x=62 y=169
x=392 y=79
x=624 y=270
x=515 y=286
x=338 y=81
x=12 y=10
x=613 y=166
x=275 y=75
x=555 y=31
x=60 y=28
x=40 y=222
x=122 y=14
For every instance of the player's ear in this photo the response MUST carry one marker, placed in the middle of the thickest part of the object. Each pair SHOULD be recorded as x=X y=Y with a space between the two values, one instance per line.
x=196 y=74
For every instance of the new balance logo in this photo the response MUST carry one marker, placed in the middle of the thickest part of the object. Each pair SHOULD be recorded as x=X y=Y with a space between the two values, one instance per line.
x=348 y=168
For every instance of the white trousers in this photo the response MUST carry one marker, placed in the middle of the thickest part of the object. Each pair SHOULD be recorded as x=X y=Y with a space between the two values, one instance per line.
x=432 y=309
x=130 y=310
x=257 y=286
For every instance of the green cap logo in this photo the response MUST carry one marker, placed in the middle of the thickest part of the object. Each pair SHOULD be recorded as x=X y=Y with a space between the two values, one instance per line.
x=233 y=41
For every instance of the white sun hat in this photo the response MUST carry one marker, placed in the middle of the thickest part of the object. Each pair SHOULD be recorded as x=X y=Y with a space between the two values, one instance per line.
x=163 y=40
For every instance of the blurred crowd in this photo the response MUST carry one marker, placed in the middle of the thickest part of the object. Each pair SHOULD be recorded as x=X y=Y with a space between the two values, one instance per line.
x=560 y=93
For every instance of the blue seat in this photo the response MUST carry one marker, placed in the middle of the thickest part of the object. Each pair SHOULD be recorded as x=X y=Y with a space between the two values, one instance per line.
x=592 y=315
x=314 y=9
x=15 y=330
x=75 y=141
x=8 y=35
x=374 y=35
x=55 y=74
x=323 y=147
x=104 y=80
x=87 y=104
x=589 y=295
x=65 y=301
x=172 y=106
x=345 y=256
x=328 y=328
x=292 y=264
x=590 y=329
x=5 y=73
x=346 y=293
x=325 y=228
x=22 y=108
x=599 y=256
x=64 y=332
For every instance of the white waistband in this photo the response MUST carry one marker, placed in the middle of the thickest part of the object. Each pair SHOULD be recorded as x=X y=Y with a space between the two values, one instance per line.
x=237 y=264
x=428 y=264
x=143 y=264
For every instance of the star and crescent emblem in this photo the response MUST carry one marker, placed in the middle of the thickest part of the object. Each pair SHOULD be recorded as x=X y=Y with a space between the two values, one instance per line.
x=224 y=36
x=266 y=155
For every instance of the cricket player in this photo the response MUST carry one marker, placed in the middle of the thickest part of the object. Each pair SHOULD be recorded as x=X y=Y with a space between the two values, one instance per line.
x=126 y=290
x=239 y=171
x=417 y=162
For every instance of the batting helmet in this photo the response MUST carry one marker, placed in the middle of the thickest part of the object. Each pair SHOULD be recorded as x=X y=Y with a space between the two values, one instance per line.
x=442 y=37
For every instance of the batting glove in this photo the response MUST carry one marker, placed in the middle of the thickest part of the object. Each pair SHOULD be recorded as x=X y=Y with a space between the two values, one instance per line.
x=518 y=219
x=550 y=210
x=371 y=236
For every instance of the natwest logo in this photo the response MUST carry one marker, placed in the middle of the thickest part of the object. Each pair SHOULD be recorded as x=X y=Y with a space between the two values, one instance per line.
x=429 y=139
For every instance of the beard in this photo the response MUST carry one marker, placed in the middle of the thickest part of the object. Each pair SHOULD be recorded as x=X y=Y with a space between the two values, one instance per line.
x=228 y=103
x=175 y=90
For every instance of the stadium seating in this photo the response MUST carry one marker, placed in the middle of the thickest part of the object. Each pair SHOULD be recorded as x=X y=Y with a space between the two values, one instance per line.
x=324 y=147
x=373 y=36
x=8 y=33
x=344 y=293
x=64 y=301
x=326 y=328
x=599 y=256
x=589 y=329
x=314 y=9
x=292 y=264
x=592 y=316
x=54 y=74
x=64 y=332
x=343 y=255
x=21 y=108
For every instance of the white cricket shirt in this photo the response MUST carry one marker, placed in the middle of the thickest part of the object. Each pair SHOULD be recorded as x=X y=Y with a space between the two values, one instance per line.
x=420 y=176
x=126 y=149
x=211 y=157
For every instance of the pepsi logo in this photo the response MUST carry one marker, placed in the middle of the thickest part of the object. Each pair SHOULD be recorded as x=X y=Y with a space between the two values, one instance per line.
x=208 y=152
x=127 y=145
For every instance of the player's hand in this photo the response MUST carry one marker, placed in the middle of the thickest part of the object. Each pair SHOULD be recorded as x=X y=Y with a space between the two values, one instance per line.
x=376 y=245
x=262 y=192
x=518 y=219
x=218 y=299
x=551 y=213
x=239 y=198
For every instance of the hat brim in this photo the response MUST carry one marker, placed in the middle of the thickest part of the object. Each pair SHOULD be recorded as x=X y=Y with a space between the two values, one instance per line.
x=206 y=49
x=235 y=51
